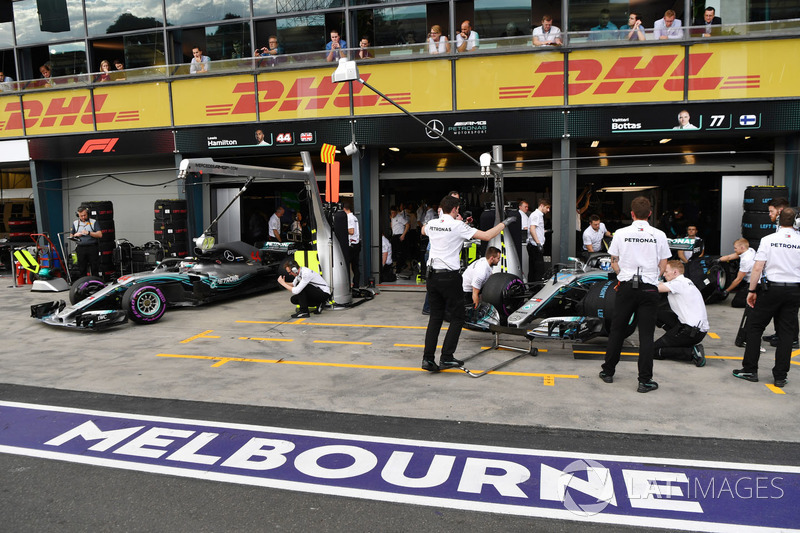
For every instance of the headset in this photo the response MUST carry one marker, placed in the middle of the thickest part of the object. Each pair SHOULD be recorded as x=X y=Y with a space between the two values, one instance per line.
x=294 y=267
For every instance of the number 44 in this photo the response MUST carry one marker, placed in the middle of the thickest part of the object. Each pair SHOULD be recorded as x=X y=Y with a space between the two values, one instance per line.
x=284 y=138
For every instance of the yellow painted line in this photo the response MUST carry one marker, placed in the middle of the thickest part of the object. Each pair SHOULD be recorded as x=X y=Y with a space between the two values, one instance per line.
x=264 y=339
x=344 y=342
x=203 y=335
x=796 y=352
x=731 y=357
x=773 y=388
x=334 y=325
x=713 y=335
x=220 y=360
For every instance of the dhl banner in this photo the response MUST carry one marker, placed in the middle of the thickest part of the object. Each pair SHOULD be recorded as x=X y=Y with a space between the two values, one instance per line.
x=207 y=100
x=115 y=108
x=629 y=75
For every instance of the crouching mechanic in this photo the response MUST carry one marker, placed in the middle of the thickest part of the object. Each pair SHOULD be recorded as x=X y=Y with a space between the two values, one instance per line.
x=476 y=275
x=447 y=236
x=308 y=288
x=687 y=323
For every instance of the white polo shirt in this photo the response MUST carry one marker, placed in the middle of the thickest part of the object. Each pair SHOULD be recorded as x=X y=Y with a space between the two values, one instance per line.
x=476 y=275
x=781 y=251
x=472 y=40
x=549 y=37
x=687 y=302
x=746 y=262
x=274 y=225
x=399 y=222
x=307 y=276
x=595 y=238
x=386 y=248
x=640 y=247
x=536 y=224
x=447 y=236
x=352 y=223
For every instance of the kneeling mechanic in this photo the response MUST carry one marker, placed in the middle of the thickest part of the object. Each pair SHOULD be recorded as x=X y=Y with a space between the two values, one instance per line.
x=308 y=288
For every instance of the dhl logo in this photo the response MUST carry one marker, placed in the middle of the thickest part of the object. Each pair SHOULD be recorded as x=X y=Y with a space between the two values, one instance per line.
x=63 y=112
x=627 y=75
x=305 y=94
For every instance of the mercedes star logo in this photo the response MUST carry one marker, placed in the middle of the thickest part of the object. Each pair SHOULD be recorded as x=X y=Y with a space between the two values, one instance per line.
x=434 y=129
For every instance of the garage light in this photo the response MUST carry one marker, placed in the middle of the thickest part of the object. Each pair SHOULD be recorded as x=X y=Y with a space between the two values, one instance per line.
x=595 y=144
x=628 y=188
x=664 y=141
x=394 y=149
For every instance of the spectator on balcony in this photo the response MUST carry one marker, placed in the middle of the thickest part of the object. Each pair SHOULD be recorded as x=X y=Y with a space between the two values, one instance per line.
x=633 y=30
x=410 y=38
x=363 y=49
x=668 y=27
x=605 y=29
x=119 y=75
x=271 y=53
x=511 y=31
x=47 y=74
x=336 y=46
x=466 y=39
x=105 y=74
x=200 y=63
x=546 y=34
x=438 y=43
x=6 y=82
x=708 y=23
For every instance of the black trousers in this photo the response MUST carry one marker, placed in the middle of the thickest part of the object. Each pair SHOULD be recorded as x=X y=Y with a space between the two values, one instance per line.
x=88 y=257
x=782 y=304
x=398 y=253
x=678 y=340
x=444 y=293
x=310 y=296
x=644 y=302
x=355 y=258
x=535 y=263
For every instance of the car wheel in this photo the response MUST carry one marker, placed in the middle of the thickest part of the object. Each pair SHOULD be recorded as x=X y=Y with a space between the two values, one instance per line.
x=144 y=303
x=506 y=292
x=599 y=302
x=85 y=287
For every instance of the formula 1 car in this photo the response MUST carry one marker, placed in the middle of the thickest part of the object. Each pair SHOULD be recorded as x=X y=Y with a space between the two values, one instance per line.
x=229 y=270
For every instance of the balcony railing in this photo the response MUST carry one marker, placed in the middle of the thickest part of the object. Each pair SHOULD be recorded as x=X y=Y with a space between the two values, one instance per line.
x=522 y=44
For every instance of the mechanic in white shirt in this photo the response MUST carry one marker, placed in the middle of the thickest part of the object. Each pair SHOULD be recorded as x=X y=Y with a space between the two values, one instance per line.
x=747 y=259
x=476 y=274
x=778 y=257
x=387 y=272
x=400 y=226
x=593 y=235
x=687 y=323
x=691 y=233
x=536 y=240
x=308 y=288
x=444 y=284
x=639 y=255
x=354 y=240
x=275 y=225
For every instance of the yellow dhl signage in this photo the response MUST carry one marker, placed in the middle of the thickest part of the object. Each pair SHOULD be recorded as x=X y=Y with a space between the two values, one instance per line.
x=723 y=70
x=113 y=108
x=297 y=94
x=628 y=75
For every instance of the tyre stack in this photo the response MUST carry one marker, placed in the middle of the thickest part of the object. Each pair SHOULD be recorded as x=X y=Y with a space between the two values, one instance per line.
x=103 y=212
x=755 y=219
x=170 y=227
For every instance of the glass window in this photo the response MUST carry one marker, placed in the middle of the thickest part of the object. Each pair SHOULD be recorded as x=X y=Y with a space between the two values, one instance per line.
x=229 y=41
x=143 y=50
x=113 y=16
x=273 y=7
x=182 y=12
x=303 y=33
x=398 y=25
x=44 y=21
x=68 y=58
x=511 y=18
x=6 y=35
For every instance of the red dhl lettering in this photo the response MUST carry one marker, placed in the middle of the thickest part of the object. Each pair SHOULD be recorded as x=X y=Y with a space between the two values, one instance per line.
x=629 y=75
x=63 y=112
x=304 y=94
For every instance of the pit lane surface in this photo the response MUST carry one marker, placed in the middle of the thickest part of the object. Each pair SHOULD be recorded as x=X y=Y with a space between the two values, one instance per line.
x=342 y=367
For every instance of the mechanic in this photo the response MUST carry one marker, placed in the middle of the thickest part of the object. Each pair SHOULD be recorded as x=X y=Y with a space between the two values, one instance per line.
x=354 y=239
x=686 y=323
x=536 y=241
x=697 y=251
x=524 y=223
x=400 y=226
x=778 y=257
x=308 y=289
x=275 y=225
x=447 y=236
x=775 y=207
x=87 y=235
x=476 y=275
x=387 y=272
x=639 y=255
x=593 y=235
x=746 y=257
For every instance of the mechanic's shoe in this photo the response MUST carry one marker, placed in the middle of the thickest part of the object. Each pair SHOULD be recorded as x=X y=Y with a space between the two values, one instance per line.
x=426 y=312
x=647 y=386
x=770 y=338
x=452 y=362
x=657 y=355
x=608 y=378
x=780 y=383
x=430 y=365
x=749 y=376
x=318 y=309
x=301 y=314
x=774 y=342
x=699 y=355
x=742 y=344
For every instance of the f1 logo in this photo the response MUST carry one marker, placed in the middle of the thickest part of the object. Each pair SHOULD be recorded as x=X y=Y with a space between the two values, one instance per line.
x=93 y=145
